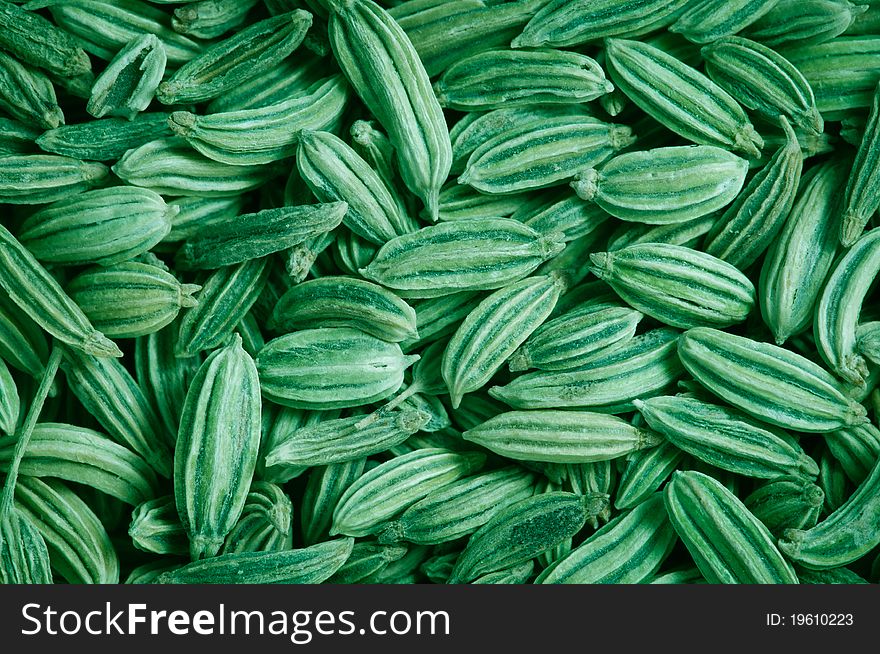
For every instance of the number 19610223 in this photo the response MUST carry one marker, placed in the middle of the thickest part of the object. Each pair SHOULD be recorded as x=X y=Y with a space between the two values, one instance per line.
x=810 y=620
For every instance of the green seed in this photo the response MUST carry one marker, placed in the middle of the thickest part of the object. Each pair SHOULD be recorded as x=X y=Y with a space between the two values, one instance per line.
x=10 y=403
x=804 y=22
x=846 y=535
x=335 y=172
x=628 y=550
x=665 y=185
x=839 y=307
x=79 y=547
x=28 y=95
x=461 y=256
x=643 y=366
x=106 y=139
x=264 y=525
x=130 y=299
x=104 y=226
x=111 y=395
x=235 y=59
x=86 y=457
x=762 y=80
x=751 y=223
x=44 y=178
x=459 y=508
x=208 y=19
x=573 y=339
x=330 y=368
x=345 y=439
x=645 y=471
x=127 y=85
x=35 y=291
x=217 y=447
x=103 y=27
x=494 y=330
x=786 y=503
x=256 y=235
x=861 y=199
x=393 y=486
x=38 y=42
x=771 y=383
x=726 y=438
x=504 y=78
x=308 y=565
x=676 y=285
x=680 y=97
x=367 y=558
x=788 y=289
x=324 y=488
x=523 y=159
x=842 y=72
x=24 y=557
x=728 y=543
x=170 y=166
x=263 y=135
x=288 y=79
x=560 y=23
x=163 y=377
x=708 y=20
x=457 y=33
x=523 y=530
x=560 y=436
x=224 y=300
x=155 y=527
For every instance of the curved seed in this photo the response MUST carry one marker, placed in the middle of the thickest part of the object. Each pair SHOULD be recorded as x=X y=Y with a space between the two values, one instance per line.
x=226 y=297
x=330 y=368
x=35 y=291
x=786 y=503
x=494 y=330
x=708 y=20
x=560 y=436
x=678 y=286
x=217 y=447
x=762 y=80
x=840 y=305
x=768 y=382
x=680 y=97
x=523 y=530
x=751 y=223
x=788 y=289
x=504 y=78
x=664 y=185
x=86 y=457
x=560 y=23
x=393 y=486
x=460 y=256
x=642 y=367
x=308 y=565
x=384 y=68
x=104 y=226
x=459 y=508
x=545 y=155
x=861 y=198
x=230 y=62
x=256 y=235
x=726 y=438
x=728 y=544
x=628 y=550
x=846 y=535
x=80 y=551
x=335 y=172
x=130 y=299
